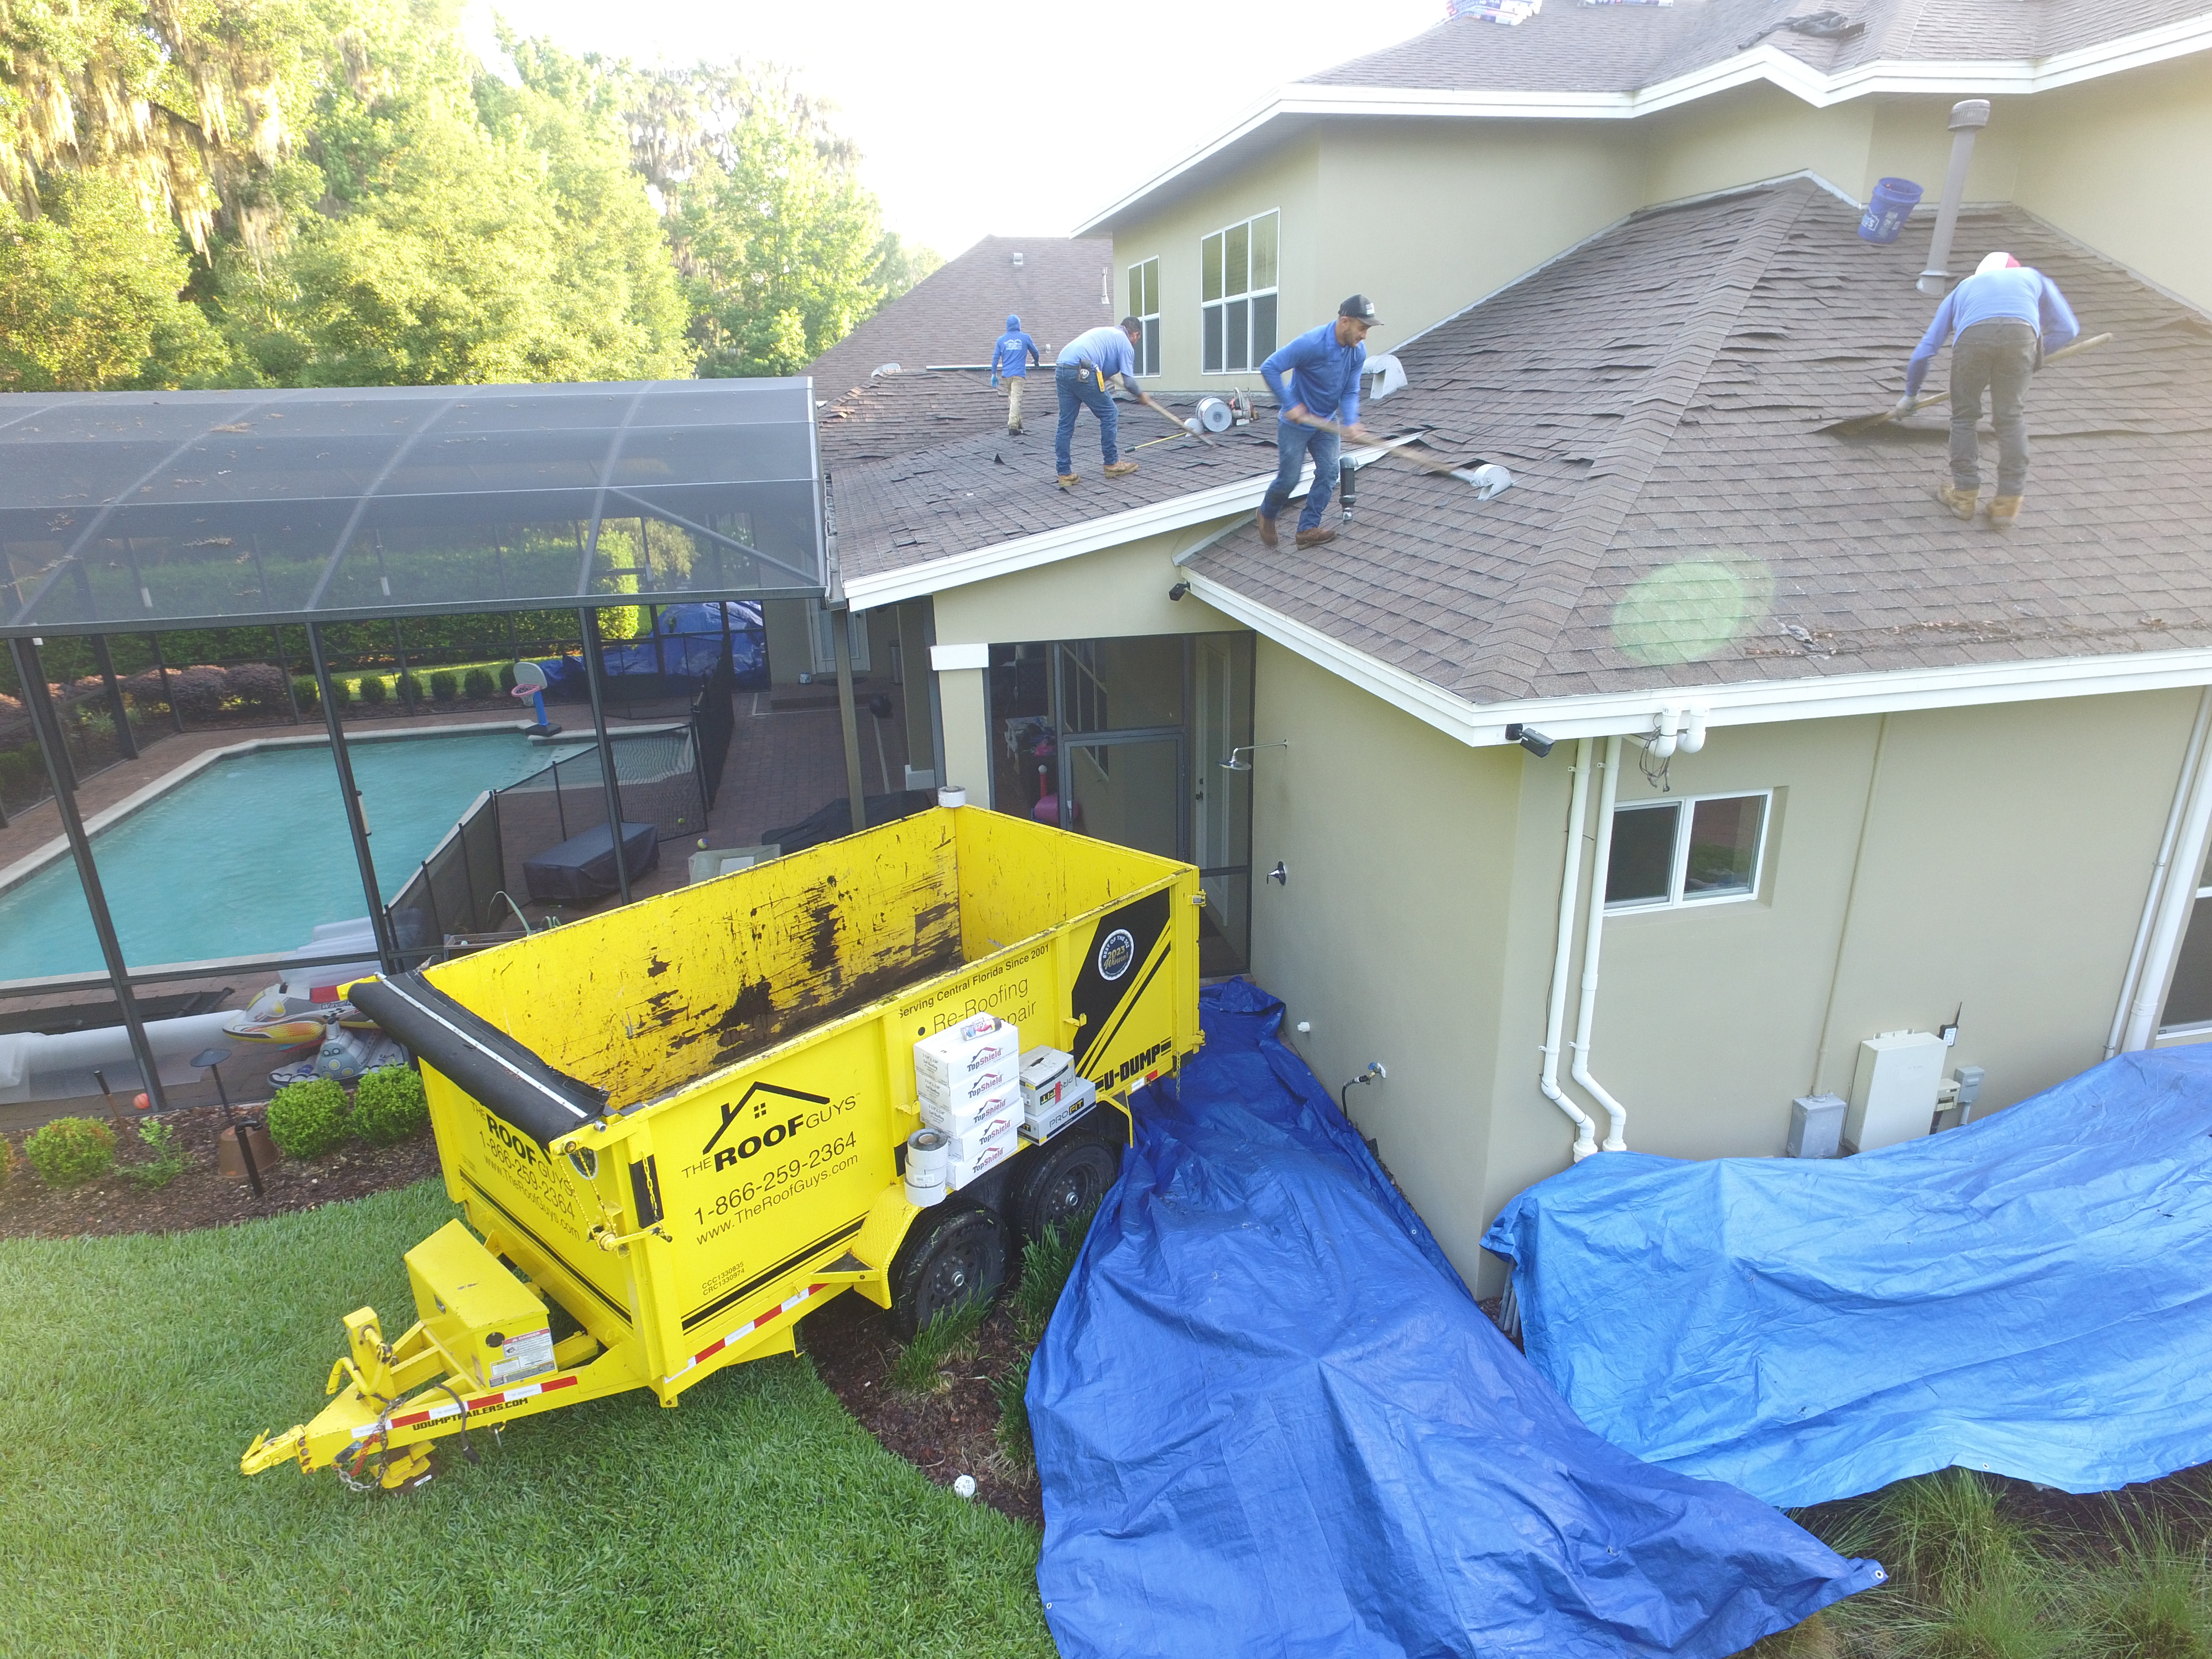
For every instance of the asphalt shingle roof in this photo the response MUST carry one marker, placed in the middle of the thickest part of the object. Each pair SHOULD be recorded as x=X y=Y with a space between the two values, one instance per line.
x=1575 y=47
x=953 y=314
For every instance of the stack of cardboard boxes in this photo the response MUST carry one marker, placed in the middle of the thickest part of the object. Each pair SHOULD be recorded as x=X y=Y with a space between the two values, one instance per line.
x=1052 y=1092
x=971 y=1094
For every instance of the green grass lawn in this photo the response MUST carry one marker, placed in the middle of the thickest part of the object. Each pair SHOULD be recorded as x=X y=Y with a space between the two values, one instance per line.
x=759 y=1518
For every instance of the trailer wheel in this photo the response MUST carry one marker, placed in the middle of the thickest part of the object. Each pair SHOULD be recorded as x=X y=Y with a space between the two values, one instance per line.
x=958 y=1255
x=1068 y=1182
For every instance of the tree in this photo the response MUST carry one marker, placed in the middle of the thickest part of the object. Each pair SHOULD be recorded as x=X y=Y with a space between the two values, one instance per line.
x=89 y=298
x=898 y=267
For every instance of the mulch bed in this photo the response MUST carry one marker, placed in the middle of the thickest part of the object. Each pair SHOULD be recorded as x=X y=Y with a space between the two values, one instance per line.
x=946 y=1435
x=200 y=1197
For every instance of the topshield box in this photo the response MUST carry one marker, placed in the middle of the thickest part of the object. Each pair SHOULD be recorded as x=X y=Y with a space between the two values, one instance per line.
x=966 y=1061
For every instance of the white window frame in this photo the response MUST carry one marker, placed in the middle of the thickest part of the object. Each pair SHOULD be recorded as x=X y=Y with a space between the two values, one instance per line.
x=1272 y=290
x=1678 y=870
x=1148 y=352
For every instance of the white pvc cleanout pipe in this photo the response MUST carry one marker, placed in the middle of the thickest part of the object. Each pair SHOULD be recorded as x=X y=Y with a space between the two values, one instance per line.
x=1593 y=936
x=2191 y=758
x=2173 y=908
x=1555 y=1011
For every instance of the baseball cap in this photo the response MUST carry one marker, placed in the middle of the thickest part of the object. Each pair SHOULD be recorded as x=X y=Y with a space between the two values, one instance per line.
x=1359 y=306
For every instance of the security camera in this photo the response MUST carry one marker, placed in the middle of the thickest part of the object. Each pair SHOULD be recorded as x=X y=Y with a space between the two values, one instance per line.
x=1178 y=590
x=1529 y=738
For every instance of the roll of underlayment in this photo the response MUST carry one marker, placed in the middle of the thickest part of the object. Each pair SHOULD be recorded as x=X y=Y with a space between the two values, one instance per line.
x=926 y=1150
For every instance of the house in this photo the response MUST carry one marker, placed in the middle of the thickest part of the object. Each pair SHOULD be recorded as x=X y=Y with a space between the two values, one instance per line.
x=1848 y=765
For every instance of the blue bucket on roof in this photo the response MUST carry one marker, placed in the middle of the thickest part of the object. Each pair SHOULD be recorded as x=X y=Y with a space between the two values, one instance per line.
x=1885 y=214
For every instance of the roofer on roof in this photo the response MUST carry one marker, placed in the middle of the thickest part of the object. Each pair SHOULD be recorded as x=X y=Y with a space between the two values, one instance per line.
x=1086 y=364
x=2005 y=314
x=1323 y=366
x=1010 y=361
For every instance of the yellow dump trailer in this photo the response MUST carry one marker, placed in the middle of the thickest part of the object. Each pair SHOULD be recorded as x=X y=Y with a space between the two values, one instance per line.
x=676 y=1127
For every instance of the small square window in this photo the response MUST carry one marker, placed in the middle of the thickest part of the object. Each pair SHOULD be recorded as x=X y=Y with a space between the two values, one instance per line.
x=1642 y=870
x=1724 y=854
x=1702 y=850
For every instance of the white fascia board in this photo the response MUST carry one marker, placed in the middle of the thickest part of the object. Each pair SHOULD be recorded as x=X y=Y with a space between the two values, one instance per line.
x=1766 y=62
x=1754 y=702
x=915 y=581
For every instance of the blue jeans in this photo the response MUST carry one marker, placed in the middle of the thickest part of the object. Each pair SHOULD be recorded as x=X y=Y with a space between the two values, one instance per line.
x=1293 y=444
x=1078 y=388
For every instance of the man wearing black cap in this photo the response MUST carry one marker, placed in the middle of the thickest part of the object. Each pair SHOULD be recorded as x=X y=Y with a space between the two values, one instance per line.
x=1323 y=366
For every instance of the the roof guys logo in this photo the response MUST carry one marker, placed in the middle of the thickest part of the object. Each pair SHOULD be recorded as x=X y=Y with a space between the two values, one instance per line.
x=770 y=1135
x=1115 y=955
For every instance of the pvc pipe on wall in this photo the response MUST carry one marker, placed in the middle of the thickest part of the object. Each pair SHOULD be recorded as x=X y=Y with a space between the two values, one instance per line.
x=2192 y=757
x=2174 y=904
x=1555 y=1010
x=1593 y=938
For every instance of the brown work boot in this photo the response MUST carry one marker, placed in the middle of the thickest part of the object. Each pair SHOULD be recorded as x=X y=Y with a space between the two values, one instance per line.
x=1961 y=501
x=1266 y=530
x=1068 y=480
x=1316 y=536
x=1120 y=469
x=2004 y=510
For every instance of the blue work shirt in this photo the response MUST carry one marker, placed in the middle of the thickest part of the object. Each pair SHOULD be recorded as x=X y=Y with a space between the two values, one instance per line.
x=1106 y=349
x=1013 y=354
x=2020 y=293
x=1324 y=376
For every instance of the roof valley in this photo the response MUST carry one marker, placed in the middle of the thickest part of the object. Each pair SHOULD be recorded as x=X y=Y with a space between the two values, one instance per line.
x=1546 y=597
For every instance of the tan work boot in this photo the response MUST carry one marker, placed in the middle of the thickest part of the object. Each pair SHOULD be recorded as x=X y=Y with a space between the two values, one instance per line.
x=1961 y=501
x=1120 y=469
x=1068 y=480
x=1266 y=530
x=1316 y=536
x=2004 y=511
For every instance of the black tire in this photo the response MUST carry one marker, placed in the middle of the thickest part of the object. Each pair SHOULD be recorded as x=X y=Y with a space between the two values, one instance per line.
x=958 y=1255
x=1068 y=1181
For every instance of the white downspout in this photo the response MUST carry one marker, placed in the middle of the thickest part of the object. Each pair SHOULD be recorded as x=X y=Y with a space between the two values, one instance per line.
x=1592 y=938
x=2173 y=908
x=2191 y=758
x=1555 y=1011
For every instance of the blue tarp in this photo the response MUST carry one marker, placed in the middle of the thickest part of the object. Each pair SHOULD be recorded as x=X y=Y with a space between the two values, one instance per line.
x=1270 y=1421
x=691 y=639
x=2027 y=1294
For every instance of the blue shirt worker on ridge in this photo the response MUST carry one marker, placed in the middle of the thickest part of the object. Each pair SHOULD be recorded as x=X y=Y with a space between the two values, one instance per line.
x=2006 y=316
x=1011 y=358
x=1078 y=377
x=1322 y=367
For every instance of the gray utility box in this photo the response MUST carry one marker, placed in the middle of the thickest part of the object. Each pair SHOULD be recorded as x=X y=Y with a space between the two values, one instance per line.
x=1816 y=1125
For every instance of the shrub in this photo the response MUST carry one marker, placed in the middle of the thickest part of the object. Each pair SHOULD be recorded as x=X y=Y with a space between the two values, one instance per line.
x=507 y=677
x=198 y=692
x=1046 y=1264
x=949 y=1339
x=373 y=691
x=258 y=685
x=71 y=1150
x=342 y=694
x=478 y=685
x=388 y=1106
x=167 y=1162
x=8 y=1159
x=144 y=689
x=305 y=1120
x=418 y=690
x=303 y=688
x=444 y=687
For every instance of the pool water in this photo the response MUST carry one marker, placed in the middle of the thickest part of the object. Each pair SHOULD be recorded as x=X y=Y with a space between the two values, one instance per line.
x=247 y=856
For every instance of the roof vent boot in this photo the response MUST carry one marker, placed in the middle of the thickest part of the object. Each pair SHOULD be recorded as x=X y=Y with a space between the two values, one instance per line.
x=1968 y=117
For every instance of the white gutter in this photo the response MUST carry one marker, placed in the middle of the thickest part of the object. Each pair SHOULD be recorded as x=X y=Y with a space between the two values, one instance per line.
x=1742 y=702
x=1555 y=1008
x=1593 y=936
x=2192 y=758
x=2175 y=905
x=1765 y=63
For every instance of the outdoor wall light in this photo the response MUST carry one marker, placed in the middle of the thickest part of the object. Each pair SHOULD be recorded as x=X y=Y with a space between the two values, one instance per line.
x=1529 y=738
x=1281 y=875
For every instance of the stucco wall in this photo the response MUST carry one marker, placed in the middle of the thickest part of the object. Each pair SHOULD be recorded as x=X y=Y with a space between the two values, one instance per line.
x=1119 y=592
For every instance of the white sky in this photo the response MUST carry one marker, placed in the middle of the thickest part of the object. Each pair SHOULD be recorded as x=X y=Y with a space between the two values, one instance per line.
x=966 y=118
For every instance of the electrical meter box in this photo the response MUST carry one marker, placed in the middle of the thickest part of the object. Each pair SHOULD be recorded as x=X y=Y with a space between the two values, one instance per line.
x=1893 y=1090
x=484 y=1318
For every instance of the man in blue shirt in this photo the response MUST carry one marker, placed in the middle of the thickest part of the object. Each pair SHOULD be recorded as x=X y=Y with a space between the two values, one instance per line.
x=1080 y=376
x=1323 y=365
x=2006 y=316
x=1010 y=361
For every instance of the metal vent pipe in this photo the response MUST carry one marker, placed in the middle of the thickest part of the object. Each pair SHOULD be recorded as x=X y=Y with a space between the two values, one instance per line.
x=1968 y=117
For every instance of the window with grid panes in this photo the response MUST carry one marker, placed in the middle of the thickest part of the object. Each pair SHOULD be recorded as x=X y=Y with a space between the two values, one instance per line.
x=1145 y=307
x=1237 y=296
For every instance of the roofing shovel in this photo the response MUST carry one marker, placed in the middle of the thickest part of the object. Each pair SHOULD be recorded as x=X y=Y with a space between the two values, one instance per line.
x=1859 y=423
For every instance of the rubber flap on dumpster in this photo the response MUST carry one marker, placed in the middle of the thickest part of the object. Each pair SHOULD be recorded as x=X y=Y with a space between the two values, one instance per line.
x=1270 y=1420
x=507 y=1080
x=2026 y=1294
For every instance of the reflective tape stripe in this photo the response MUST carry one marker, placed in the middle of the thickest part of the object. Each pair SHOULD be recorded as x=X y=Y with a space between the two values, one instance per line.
x=741 y=1332
x=521 y=1391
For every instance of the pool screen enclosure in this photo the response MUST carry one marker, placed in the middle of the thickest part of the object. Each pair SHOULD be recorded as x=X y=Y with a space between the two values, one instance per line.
x=140 y=511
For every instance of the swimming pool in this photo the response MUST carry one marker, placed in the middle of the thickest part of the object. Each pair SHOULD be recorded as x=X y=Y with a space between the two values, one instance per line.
x=249 y=854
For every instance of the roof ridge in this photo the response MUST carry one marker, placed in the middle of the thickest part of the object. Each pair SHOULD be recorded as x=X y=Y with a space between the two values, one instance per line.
x=1544 y=601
